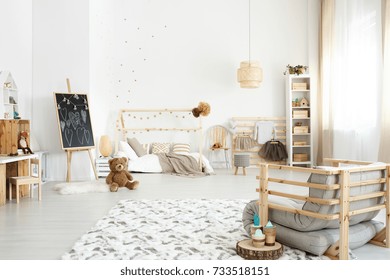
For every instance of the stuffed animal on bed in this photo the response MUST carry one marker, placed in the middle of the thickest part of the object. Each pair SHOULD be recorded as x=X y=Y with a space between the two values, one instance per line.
x=119 y=176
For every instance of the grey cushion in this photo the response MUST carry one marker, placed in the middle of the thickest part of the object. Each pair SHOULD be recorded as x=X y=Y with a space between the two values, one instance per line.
x=305 y=223
x=137 y=147
x=317 y=242
x=314 y=242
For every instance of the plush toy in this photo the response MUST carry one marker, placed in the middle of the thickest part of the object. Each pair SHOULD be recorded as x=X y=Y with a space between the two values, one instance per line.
x=203 y=109
x=216 y=146
x=119 y=176
x=23 y=144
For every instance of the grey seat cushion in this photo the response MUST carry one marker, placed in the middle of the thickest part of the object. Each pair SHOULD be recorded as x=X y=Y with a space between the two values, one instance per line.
x=314 y=242
x=305 y=223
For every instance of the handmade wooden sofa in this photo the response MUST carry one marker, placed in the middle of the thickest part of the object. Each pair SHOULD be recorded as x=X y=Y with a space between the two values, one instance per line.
x=339 y=208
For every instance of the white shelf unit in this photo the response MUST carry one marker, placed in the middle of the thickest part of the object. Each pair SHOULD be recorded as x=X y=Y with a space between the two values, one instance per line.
x=299 y=144
x=8 y=96
x=102 y=167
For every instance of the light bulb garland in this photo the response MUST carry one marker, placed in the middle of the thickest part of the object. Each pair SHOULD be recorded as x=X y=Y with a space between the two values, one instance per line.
x=148 y=117
x=68 y=101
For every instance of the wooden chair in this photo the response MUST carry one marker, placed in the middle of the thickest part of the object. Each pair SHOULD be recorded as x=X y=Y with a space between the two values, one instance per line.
x=217 y=141
x=27 y=180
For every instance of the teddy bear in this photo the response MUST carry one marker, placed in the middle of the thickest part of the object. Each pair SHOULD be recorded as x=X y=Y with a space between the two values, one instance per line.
x=119 y=176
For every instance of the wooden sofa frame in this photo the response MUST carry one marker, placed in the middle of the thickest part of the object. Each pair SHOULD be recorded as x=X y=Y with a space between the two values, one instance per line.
x=339 y=250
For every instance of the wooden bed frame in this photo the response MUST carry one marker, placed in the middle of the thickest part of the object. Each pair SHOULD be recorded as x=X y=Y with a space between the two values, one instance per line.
x=338 y=250
x=246 y=126
x=122 y=129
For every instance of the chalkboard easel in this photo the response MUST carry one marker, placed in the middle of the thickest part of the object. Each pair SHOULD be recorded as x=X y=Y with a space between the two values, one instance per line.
x=75 y=126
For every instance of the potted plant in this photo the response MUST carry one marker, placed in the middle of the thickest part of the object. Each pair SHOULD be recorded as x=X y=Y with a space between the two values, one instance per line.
x=295 y=70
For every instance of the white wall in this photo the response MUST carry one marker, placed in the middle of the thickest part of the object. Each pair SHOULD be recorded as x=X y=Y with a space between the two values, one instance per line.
x=16 y=48
x=171 y=53
x=175 y=53
x=60 y=51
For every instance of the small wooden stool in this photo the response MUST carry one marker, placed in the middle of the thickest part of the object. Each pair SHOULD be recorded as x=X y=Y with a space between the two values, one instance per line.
x=27 y=180
x=241 y=160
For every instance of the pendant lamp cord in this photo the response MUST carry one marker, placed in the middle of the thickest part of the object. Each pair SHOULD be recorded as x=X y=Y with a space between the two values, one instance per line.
x=249 y=5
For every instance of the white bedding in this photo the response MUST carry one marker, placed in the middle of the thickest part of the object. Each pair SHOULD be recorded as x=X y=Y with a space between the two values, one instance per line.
x=150 y=164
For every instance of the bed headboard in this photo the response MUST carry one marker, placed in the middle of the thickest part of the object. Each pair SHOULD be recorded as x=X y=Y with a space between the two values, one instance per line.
x=246 y=126
x=124 y=127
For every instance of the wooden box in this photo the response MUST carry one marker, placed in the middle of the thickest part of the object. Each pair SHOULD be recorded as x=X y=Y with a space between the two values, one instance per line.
x=301 y=157
x=300 y=114
x=301 y=129
x=9 y=135
x=299 y=86
x=299 y=143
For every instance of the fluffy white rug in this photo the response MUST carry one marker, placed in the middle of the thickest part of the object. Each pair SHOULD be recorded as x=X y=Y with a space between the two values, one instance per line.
x=81 y=187
x=169 y=230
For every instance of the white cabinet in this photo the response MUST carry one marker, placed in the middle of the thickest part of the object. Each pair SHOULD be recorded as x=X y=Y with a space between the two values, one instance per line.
x=299 y=140
x=8 y=96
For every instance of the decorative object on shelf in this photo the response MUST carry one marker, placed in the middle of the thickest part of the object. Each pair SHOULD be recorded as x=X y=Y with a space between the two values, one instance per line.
x=304 y=102
x=295 y=70
x=105 y=147
x=16 y=116
x=249 y=75
x=299 y=86
x=203 y=109
x=295 y=103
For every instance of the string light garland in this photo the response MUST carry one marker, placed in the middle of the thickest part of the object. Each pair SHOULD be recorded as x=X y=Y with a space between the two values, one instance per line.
x=69 y=101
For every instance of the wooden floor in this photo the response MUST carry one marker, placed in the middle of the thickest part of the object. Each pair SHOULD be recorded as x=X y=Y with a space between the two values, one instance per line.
x=46 y=230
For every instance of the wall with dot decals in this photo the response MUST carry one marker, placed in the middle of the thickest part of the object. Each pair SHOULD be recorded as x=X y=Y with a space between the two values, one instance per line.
x=164 y=54
x=158 y=54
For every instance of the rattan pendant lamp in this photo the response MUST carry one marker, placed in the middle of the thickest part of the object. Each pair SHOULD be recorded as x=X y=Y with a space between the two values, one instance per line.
x=249 y=75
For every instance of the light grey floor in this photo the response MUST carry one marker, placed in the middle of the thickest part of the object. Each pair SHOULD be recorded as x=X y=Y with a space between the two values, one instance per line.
x=45 y=230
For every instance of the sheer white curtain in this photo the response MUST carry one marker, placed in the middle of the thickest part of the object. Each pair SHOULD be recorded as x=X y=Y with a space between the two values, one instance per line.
x=351 y=80
x=384 y=151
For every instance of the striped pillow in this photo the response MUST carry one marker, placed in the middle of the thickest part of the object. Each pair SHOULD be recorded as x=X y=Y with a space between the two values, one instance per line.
x=158 y=148
x=180 y=148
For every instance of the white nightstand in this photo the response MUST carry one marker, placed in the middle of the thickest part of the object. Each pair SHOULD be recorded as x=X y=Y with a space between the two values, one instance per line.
x=102 y=167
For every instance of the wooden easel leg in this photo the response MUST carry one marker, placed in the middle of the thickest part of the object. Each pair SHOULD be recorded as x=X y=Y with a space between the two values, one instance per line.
x=69 y=161
x=244 y=171
x=93 y=165
x=235 y=172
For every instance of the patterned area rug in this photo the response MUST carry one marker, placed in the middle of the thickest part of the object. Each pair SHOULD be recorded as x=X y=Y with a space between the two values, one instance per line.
x=169 y=230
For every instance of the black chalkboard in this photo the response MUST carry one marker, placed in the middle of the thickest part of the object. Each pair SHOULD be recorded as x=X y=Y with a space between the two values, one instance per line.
x=74 y=120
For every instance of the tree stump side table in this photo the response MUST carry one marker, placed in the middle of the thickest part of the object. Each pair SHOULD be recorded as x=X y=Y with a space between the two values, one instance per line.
x=246 y=250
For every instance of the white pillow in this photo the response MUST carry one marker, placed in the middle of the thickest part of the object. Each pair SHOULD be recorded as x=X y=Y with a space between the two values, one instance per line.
x=129 y=152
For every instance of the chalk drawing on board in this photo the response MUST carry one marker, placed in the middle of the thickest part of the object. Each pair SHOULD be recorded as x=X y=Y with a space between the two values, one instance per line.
x=74 y=120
